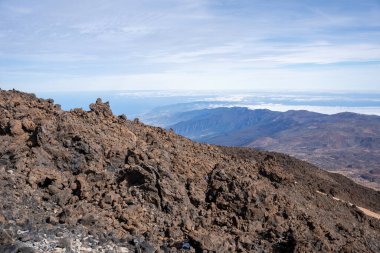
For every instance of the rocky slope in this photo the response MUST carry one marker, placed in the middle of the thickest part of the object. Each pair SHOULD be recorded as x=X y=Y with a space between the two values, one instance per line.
x=89 y=181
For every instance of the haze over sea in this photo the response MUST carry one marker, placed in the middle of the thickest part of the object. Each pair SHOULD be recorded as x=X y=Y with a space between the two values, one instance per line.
x=140 y=103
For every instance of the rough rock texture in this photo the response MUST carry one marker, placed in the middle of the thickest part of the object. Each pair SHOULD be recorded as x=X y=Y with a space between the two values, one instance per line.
x=89 y=181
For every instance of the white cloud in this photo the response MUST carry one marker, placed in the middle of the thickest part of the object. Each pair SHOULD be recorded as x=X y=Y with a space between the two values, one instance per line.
x=321 y=54
x=196 y=55
x=231 y=98
x=17 y=9
x=320 y=109
x=189 y=44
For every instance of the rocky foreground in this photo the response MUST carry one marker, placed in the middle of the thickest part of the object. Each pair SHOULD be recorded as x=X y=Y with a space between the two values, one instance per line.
x=89 y=181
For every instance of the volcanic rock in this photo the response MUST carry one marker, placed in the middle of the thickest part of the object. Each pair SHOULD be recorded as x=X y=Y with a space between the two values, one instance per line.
x=89 y=181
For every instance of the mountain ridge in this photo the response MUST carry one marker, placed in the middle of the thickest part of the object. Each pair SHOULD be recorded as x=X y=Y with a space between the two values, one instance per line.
x=343 y=142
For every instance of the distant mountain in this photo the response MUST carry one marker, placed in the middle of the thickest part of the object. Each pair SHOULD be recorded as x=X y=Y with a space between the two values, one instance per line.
x=171 y=114
x=347 y=143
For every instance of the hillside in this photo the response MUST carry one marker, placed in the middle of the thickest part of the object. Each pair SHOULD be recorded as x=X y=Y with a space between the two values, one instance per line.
x=347 y=143
x=90 y=181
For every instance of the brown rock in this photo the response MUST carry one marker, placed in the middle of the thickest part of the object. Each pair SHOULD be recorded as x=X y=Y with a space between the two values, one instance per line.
x=16 y=127
x=119 y=180
x=2 y=218
x=28 y=125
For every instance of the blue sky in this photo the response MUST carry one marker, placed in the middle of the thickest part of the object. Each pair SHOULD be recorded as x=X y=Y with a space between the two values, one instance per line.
x=190 y=44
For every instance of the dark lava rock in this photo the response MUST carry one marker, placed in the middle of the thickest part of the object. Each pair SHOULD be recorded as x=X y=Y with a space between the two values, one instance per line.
x=110 y=184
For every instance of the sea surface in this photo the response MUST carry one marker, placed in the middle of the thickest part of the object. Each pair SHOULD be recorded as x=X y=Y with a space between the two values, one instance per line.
x=138 y=104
